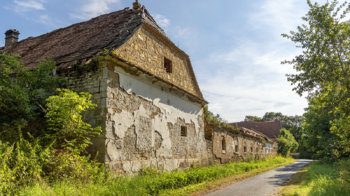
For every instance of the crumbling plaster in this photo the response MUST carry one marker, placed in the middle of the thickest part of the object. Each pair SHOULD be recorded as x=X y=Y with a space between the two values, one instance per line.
x=164 y=108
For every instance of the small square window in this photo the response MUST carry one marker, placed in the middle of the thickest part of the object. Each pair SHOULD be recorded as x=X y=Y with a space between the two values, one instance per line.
x=236 y=148
x=168 y=65
x=183 y=131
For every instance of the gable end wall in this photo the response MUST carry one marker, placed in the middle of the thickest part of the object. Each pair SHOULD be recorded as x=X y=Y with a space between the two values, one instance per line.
x=146 y=51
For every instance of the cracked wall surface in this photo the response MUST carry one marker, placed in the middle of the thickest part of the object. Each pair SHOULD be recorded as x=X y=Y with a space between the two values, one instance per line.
x=143 y=125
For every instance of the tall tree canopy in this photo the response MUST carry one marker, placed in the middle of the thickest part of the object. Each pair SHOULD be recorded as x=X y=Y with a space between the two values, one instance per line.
x=323 y=71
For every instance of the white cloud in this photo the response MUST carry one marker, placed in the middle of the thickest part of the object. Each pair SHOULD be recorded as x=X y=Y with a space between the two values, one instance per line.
x=277 y=15
x=95 y=8
x=48 y=21
x=248 y=79
x=182 y=32
x=161 y=20
x=28 y=5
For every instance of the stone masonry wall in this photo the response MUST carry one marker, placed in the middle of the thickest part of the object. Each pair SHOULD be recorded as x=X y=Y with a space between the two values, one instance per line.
x=147 y=52
x=238 y=146
x=93 y=81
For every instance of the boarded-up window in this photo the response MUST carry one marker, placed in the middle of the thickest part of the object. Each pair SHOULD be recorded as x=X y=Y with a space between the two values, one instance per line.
x=168 y=65
x=183 y=131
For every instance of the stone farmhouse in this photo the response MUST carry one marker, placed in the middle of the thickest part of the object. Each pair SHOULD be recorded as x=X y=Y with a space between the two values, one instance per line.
x=150 y=106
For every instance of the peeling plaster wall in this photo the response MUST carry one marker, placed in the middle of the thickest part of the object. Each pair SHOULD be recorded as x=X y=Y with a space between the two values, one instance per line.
x=144 y=122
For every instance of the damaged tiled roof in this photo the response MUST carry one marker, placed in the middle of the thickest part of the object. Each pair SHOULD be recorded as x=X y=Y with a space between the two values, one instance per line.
x=82 y=40
x=271 y=128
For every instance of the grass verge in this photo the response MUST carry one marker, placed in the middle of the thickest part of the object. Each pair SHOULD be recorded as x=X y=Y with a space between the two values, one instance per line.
x=320 y=179
x=151 y=182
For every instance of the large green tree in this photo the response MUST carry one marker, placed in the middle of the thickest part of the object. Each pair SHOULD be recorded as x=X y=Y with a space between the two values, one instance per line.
x=323 y=71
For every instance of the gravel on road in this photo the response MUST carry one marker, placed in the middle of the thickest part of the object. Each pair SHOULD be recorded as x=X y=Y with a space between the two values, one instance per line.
x=269 y=183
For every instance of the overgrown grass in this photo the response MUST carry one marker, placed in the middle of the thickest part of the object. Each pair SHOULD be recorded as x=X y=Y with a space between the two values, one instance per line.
x=321 y=180
x=150 y=182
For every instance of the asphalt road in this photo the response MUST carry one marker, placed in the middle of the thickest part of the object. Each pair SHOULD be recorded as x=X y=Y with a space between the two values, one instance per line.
x=269 y=183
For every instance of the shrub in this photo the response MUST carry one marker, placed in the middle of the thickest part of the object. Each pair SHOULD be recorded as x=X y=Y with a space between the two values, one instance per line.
x=287 y=142
x=65 y=119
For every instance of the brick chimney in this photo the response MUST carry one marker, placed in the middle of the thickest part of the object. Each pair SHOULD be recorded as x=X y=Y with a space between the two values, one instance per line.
x=11 y=37
x=136 y=5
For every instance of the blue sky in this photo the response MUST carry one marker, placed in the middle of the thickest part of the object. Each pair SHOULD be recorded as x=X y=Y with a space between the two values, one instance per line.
x=235 y=46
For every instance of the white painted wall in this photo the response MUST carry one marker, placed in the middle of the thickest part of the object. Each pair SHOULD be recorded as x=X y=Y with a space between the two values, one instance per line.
x=144 y=88
x=269 y=147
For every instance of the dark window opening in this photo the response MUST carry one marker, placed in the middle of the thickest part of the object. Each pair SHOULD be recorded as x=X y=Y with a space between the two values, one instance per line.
x=236 y=148
x=168 y=65
x=251 y=149
x=245 y=149
x=183 y=131
x=223 y=144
